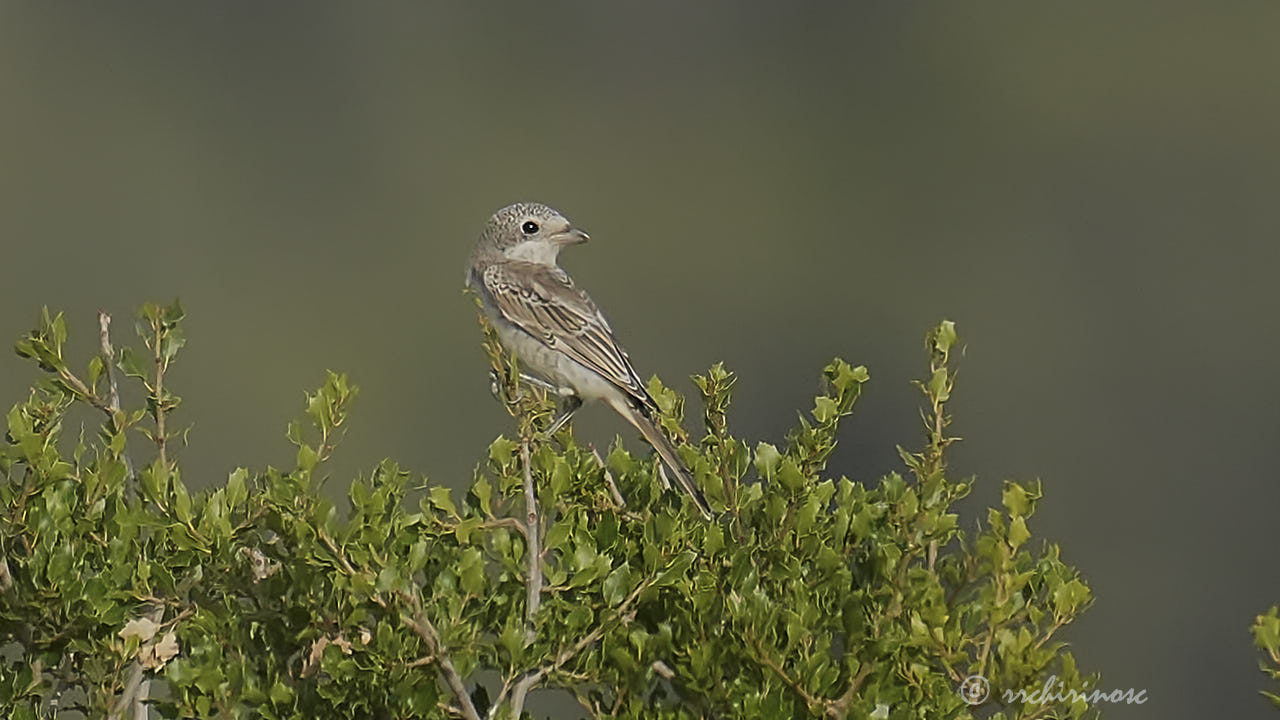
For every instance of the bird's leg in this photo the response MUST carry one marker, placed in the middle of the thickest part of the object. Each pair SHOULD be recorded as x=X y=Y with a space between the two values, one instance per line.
x=571 y=405
x=568 y=407
x=539 y=382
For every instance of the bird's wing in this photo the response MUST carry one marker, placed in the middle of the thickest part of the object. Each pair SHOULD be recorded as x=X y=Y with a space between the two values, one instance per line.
x=544 y=302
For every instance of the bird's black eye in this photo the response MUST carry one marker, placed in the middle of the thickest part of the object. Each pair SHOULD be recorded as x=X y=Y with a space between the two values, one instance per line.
x=529 y=227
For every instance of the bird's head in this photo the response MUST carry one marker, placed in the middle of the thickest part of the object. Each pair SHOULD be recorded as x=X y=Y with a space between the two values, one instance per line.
x=531 y=232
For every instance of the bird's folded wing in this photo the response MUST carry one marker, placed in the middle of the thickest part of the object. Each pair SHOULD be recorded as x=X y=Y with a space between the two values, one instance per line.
x=545 y=303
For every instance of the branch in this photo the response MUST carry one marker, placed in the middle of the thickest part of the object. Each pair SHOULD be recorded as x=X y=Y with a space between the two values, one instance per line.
x=1056 y=626
x=840 y=708
x=108 y=358
x=533 y=582
x=113 y=398
x=608 y=478
x=160 y=438
x=337 y=553
x=502 y=696
x=532 y=678
x=521 y=692
x=427 y=632
x=502 y=522
x=534 y=544
x=763 y=659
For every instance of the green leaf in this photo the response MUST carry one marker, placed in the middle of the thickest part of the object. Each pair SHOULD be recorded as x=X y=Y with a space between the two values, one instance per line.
x=236 y=490
x=502 y=451
x=945 y=337
x=676 y=569
x=1070 y=597
x=1018 y=533
x=1015 y=499
x=1266 y=630
x=59 y=328
x=173 y=341
x=617 y=585
x=307 y=458
x=666 y=399
x=512 y=637
x=417 y=556
x=281 y=694
x=131 y=365
x=825 y=409
x=789 y=475
x=181 y=501
x=579 y=617
x=483 y=490
x=471 y=571
x=559 y=480
x=441 y=500
x=938 y=385
x=389 y=580
x=767 y=459
x=95 y=370
x=173 y=314
x=845 y=377
x=558 y=534
x=714 y=541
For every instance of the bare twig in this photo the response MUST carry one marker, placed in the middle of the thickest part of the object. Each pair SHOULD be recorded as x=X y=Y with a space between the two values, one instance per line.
x=533 y=540
x=592 y=707
x=161 y=439
x=337 y=553
x=422 y=626
x=506 y=522
x=1048 y=635
x=608 y=478
x=108 y=358
x=521 y=691
x=533 y=582
x=113 y=398
x=986 y=648
x=502 y=696
x=450 y=710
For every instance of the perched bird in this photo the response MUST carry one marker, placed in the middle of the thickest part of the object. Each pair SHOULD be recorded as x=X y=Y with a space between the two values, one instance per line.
x=555 y=329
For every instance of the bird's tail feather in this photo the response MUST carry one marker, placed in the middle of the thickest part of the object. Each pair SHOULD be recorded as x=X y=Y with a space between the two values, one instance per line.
x=653 y=434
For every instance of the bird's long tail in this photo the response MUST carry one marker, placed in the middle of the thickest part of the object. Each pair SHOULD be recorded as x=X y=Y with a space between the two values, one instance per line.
x=653 y=434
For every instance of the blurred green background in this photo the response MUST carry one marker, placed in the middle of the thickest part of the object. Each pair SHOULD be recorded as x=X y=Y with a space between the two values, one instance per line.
x=1088 y=189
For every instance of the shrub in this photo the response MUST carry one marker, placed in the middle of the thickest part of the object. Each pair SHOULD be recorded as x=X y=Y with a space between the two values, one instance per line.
x=808 y=596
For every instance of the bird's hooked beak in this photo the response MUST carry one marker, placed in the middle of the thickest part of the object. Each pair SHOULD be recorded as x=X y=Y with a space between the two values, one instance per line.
x=572 y=236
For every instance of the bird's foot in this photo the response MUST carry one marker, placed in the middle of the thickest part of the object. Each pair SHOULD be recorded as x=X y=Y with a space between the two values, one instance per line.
x=568 y=408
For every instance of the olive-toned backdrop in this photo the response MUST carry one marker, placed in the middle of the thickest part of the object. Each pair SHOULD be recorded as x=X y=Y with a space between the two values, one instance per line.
x=1088 y=189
